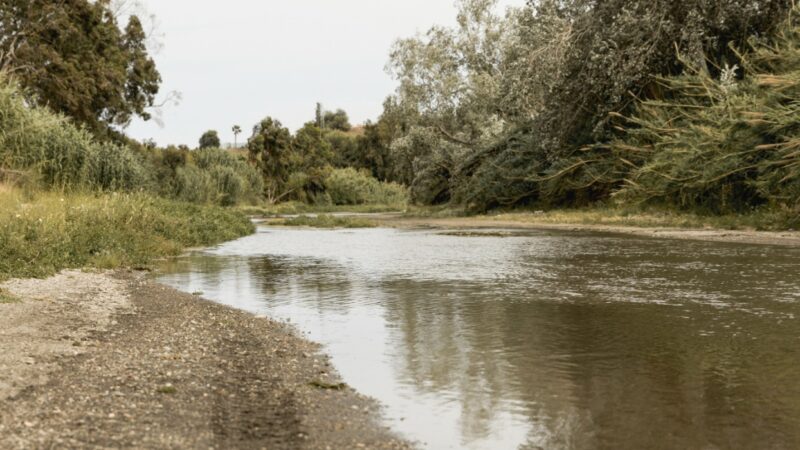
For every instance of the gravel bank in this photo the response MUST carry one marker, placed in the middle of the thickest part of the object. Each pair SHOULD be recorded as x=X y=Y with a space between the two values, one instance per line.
x=110 y=360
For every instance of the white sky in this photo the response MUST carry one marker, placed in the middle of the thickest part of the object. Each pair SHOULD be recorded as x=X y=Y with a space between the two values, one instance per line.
x=237 y=61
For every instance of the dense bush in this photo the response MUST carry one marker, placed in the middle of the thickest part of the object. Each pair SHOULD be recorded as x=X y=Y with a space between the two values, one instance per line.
x=722 y=144
x=217 y=177
x=353 y=187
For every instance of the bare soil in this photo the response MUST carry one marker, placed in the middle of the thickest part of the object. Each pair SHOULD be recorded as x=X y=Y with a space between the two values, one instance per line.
x=113 y=360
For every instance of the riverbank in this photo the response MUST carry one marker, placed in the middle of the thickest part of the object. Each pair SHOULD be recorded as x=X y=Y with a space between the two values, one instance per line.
x=111 y=359
x=648 y=225
x=43 y=232
x=532 y=222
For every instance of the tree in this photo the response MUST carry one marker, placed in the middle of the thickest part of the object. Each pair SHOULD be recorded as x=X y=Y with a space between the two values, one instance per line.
x=603 y=57
x=336 y=120
x=447 y=97
x=237 y=130
x=270 y=148
x=210 y=139
x=311 y=147
x=319 y=116
x=72 y=57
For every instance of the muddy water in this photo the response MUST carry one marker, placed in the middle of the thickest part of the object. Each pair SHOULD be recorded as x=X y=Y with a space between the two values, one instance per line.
x=536 y=340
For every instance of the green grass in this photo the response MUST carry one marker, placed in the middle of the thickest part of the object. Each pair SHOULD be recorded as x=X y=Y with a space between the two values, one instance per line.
x=43 y=233
x=303 y=208
x=758 y=220
x=761 y=219
x=167 y=389
x=328 y=386
x=325 y=221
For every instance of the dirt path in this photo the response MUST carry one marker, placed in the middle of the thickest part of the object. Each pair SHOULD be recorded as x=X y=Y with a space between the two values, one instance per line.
x=114 y=360
x=782 y=238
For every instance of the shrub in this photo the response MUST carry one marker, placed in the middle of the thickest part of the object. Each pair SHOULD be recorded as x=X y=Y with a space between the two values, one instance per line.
x=353 y=187
x=217 y=177
x=194 y=185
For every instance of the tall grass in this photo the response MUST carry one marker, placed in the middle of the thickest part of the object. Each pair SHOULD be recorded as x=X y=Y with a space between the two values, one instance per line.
x=724 y=144
x=43 y=233
x=59 y=154
x=357 y=187
x=56 y=154
x=218 y=177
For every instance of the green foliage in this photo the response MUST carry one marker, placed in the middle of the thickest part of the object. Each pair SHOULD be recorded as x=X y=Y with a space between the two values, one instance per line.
x=722 y=144
x=336 y=120
x=270 y=148
x=352 y=187
x=372 y=151
x=446 y=100
x=49 y=232
x=61 y=155
x=236 y=130
x=507 y=110
x=73 y=57
x=311 y=147
x=58 y=155
x=326 y=221
x=210 y=139
x=217 y=177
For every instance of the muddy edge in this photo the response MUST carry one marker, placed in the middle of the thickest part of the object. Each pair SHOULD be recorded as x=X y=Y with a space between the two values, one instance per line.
x=112 y=359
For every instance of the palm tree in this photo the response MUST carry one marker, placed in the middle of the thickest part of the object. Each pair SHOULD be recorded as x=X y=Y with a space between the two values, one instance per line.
x=237 y=130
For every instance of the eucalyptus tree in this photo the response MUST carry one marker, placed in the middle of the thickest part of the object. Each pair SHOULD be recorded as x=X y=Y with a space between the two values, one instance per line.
x=448 y=87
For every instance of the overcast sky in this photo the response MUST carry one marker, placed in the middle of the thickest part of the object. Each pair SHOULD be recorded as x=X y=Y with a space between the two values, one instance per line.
x=237 y=61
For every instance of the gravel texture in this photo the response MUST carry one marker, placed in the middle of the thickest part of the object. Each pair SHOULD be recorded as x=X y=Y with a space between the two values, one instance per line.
x=113 y=360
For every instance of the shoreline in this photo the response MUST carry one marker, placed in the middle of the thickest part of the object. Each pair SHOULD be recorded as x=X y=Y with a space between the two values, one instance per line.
x=110 y=359
x=780 y=238
x=534 y=222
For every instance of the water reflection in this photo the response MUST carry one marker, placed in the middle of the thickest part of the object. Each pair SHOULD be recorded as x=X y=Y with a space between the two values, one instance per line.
x=542 y=340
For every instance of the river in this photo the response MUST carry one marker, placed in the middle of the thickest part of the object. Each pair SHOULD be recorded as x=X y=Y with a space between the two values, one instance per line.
x=505 y=340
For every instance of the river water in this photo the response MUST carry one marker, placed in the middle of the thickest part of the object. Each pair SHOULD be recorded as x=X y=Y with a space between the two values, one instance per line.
x=536 y=339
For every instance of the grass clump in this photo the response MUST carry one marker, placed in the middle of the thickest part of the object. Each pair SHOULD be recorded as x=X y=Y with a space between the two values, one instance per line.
x=43 y=233
x=6 y=298
x=167 y=389
x=326 y=221
x=328 y=386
